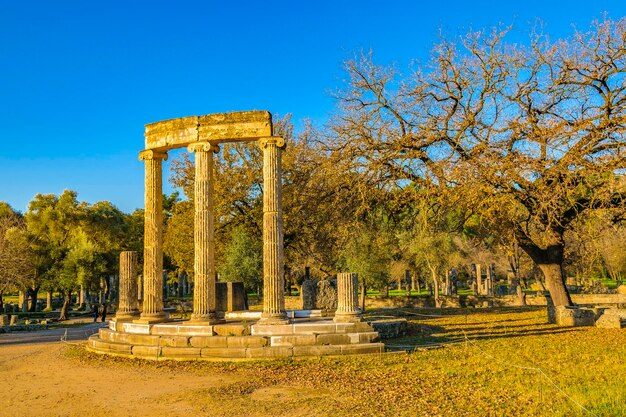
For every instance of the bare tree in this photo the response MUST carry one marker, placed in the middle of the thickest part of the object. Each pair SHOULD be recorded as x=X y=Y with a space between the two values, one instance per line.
x=529 y=137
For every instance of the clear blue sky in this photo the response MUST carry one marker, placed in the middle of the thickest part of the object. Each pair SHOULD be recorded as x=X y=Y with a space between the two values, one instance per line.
x=79 y=79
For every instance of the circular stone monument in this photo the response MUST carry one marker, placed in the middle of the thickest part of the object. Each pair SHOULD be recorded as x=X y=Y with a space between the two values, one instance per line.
x=270 y=333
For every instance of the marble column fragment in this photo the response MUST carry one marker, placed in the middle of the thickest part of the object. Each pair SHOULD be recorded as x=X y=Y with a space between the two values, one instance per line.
x=127 y=307
x=152 y=310
x=273 y=267
x=204 y=298
x=347 y=298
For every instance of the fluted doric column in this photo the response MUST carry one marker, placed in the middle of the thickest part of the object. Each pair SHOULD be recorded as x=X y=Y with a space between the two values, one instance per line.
x=347 y=298
x=204 y=301
x=273 y=287
x=152 y=309
x=127 y=307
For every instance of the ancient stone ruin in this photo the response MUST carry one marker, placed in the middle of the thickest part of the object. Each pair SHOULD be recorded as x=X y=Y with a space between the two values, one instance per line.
x=272 y=333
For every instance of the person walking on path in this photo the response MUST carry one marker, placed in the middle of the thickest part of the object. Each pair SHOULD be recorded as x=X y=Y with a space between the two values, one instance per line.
x=104 y=311
x=94 y=310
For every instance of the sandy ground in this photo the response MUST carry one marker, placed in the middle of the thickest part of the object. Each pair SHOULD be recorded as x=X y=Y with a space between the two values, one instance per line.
x=39 y=378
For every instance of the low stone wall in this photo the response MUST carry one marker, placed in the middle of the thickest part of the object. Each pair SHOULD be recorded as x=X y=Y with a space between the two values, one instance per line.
x=416 y=301
x=389 y=329
x=23 y=328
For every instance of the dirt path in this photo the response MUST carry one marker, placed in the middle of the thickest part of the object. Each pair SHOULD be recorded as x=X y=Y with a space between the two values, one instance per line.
x=38 y=378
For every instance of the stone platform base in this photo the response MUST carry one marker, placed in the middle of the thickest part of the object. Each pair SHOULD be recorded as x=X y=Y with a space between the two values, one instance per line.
x=235 y=340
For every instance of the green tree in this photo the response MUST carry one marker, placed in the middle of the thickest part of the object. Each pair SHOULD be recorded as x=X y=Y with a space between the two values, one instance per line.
x=243 y=259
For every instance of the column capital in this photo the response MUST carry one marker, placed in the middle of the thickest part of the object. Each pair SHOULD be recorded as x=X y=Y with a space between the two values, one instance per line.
x=152 y=154
x=272 y=140
x=203 y=147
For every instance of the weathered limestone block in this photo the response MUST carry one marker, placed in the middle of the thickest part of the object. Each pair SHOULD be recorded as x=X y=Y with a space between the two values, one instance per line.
x=235 y=126
x=230 y=296
x=319 y=295
x=4 y=320
x=221 y=296
x=13 y=321
x=621 y=289
x=236 y=296
x=574 y=316
x=613 y=318
x=390 y=328
x=216 y=128
x=232 y=329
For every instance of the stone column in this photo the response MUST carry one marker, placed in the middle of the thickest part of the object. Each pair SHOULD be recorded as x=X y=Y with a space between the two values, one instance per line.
x=127 y=307
x=347 y=298
x=204 y=300
x=152 y=311
x=22 y=300
x=273 y=267
x=140 y=287
x=489 y=282
x=479 y=280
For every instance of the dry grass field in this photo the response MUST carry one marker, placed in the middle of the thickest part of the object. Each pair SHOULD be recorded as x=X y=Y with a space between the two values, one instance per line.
x=483 y=363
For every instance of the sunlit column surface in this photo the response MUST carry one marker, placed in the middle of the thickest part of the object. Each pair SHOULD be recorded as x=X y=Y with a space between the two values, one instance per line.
x=273 y=288
x=152 y=310
x=204 y=301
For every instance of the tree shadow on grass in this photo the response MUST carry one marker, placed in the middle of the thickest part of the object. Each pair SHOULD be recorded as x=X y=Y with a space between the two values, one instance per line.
x=424 y=331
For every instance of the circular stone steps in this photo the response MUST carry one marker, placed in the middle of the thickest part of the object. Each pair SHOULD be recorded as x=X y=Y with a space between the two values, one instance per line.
x=235 y=341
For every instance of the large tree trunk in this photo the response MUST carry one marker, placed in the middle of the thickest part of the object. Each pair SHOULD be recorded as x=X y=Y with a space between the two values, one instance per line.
x=363 y=295
x=433 y=273
x=66 y=305
x=550 y=262
x=32 y=294
x=1 y=303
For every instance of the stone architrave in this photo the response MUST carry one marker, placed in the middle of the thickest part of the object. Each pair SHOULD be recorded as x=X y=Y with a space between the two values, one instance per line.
x=347 y=298
x=273 y=268
x=152 y=309
x=127 y=308
x=204 y=300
